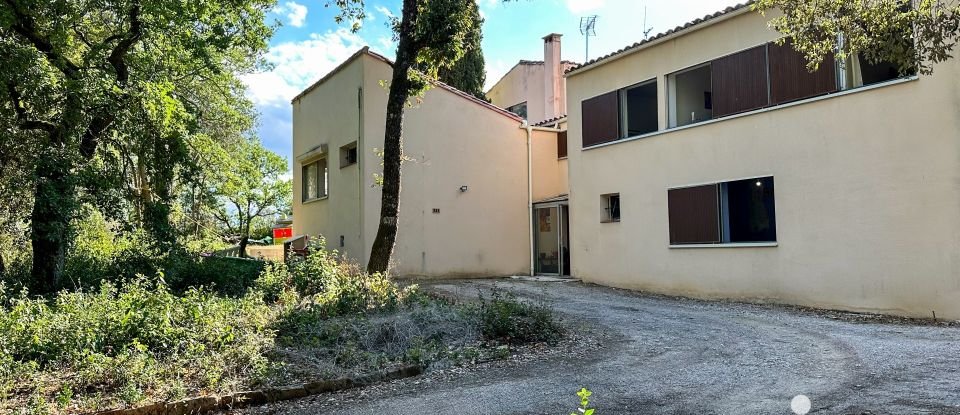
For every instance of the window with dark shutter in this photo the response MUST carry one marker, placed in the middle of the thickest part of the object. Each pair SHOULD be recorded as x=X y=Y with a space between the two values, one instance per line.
x=736 y=212
x=790 y=80
x=601 y=119
x=739 y=82
x=561 y=144
x=694 y=215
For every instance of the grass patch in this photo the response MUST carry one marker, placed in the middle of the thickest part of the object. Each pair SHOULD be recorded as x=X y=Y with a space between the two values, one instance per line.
x=139 y=341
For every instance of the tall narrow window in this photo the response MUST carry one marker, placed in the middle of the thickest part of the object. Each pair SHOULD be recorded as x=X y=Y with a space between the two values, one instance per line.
x=741 y=211
x=611 y=208
x=562 y=144
x=315 y=180
x=639 y=105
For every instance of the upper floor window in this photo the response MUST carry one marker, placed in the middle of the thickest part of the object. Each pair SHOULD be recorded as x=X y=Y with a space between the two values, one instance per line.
x=348 y=155
x=315 y=180
x=623 y=113
x=519 y=109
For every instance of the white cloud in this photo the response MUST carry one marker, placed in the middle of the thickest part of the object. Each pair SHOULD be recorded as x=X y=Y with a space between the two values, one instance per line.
x=296 y=13
x=386 y=45
x=385 y=12
x=298 y=64
x=580 y=6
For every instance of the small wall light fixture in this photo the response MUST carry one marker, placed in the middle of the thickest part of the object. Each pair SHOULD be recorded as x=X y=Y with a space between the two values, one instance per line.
x=463 y=189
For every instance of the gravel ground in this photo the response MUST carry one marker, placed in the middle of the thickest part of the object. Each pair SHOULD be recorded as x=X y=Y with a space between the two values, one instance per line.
x=658 y=355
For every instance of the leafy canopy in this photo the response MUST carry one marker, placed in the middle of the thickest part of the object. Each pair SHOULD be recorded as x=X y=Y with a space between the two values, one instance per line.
x=911 y=37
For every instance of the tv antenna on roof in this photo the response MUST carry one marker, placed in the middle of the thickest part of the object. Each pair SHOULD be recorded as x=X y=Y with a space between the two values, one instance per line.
x=646 y=30
x=588 y=26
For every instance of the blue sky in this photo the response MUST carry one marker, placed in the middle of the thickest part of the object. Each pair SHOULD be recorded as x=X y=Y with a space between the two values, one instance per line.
x=309 y=43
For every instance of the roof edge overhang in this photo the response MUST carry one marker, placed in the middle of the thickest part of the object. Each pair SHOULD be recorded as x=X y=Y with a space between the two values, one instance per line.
x=679 y=31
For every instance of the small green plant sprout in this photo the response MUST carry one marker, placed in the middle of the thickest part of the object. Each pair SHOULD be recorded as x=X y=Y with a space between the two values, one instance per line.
x=584 y=395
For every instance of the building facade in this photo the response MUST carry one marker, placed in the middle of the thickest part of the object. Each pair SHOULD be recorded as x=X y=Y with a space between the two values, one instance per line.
x=708 y=162
x=705 y=162
x=466 y=186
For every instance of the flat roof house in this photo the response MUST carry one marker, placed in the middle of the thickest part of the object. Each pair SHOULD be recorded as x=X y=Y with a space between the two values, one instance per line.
x=708 y=162
x=472 y=173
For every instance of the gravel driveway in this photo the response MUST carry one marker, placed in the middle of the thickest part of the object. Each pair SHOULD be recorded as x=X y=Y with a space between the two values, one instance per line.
x=660 y=355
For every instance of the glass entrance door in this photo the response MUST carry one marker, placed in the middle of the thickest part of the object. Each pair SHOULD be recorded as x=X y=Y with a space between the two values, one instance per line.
x=547 y=255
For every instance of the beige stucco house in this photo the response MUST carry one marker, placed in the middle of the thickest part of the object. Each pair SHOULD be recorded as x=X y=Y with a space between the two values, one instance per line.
x=472 y=173
x=705 y=161
x=708 y=162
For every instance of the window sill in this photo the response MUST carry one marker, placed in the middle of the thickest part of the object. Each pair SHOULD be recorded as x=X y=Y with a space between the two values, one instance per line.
x=857 y=90
x=307 y=202
x=610 y=221
x=728 y=245
x=348 y=165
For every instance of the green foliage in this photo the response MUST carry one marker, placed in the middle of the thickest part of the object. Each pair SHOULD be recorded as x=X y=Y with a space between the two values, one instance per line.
x=123 y=344
x=104 y=252
x=251 y=189
x=106 y=103
x=468 y=74
x=912 y=35
x=505 y=318
x=584 y=396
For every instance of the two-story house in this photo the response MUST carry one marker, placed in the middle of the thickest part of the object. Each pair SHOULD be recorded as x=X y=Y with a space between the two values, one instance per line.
x=709 y=162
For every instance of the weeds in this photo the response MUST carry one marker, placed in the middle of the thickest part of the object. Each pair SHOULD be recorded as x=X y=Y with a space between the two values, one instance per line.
x=138 y=340
x=505 y=318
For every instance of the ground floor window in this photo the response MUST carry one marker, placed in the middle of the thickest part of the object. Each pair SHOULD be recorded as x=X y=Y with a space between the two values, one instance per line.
x=740 y=211
x=315 y=178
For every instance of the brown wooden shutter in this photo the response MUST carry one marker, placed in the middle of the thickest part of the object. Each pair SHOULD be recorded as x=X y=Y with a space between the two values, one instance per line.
x=694 y=215
x=562 y=144
x=790 y=80
x=740 y=82
x=601 y=119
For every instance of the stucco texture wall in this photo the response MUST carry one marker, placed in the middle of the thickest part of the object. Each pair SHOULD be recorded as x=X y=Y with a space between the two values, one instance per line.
x=867 y=189
x=451 y=142
x=524 y=83
x=330 y=115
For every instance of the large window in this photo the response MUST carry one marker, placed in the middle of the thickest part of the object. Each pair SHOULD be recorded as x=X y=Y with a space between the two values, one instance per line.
x=315 y=180
x=619 y=114
x=739 y=211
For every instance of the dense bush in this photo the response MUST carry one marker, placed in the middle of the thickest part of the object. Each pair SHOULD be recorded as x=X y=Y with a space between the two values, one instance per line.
x=135 y=339
x=122 y=344
x=505 y=318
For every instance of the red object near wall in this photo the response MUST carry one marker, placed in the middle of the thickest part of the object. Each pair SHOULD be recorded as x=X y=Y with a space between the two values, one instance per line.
x=282 y=233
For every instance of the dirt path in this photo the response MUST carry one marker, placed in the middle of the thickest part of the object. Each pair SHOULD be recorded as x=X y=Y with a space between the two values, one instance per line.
x=669 y=356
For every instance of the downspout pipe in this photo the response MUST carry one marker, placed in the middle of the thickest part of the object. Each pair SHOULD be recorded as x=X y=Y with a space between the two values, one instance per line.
x=526 y=126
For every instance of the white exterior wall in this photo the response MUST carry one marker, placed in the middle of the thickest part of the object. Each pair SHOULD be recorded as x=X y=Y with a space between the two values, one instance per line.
x=867 y=189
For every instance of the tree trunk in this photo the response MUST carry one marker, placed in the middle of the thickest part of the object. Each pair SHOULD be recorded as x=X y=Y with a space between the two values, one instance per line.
x=243 y=246
x=53 y=207
x=386 y=238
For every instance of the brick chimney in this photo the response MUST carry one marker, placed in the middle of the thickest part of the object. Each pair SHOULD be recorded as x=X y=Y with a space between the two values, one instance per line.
x=553 y=77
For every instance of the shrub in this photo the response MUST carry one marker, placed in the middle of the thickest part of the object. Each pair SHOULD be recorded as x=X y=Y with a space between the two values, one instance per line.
x=126 y=343
x=505 y=318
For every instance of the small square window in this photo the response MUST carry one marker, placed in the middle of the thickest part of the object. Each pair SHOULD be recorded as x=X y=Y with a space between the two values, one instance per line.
x=611 y=208
x=348 y=155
